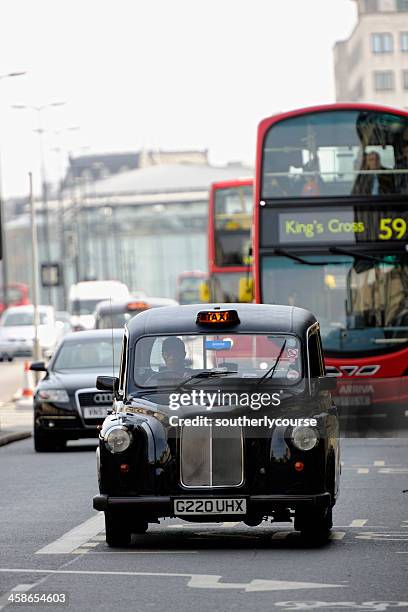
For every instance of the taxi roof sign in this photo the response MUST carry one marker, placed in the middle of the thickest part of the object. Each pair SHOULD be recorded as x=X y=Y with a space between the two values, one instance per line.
x=217 y=317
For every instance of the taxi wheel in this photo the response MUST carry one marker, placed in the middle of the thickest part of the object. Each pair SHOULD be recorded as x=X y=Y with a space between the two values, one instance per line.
x=116 y=530
x=316 y=524
x=140 y=527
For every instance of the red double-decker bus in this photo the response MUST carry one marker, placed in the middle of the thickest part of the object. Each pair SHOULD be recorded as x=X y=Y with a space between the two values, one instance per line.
x=330 y=235
x=229 y=241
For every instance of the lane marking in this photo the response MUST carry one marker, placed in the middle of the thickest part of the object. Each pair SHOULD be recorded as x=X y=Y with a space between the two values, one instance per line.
x=143 y=552
x=281 y=535
x=200 y=581
x=19 y=588
x=379 y=463
x=358 y=523
x=393 y=470
x=363 y=470
x=337 y=535
x=74 y=538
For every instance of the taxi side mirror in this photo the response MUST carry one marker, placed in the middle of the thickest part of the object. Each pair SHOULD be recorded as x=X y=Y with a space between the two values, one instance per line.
x=245 y=290
x=108 y=383
x=204 y=292
x=327 y=383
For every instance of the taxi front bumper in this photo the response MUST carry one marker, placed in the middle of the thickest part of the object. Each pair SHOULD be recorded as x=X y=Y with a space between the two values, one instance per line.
x=256 y=504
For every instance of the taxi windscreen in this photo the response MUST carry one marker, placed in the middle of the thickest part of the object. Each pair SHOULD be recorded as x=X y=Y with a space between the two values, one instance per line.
x=171 y=360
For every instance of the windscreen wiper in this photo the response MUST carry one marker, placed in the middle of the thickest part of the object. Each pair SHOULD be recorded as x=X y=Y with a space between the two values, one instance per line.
x=271 y=370
x=357 y=254
x=206 y=374
x=304 y=261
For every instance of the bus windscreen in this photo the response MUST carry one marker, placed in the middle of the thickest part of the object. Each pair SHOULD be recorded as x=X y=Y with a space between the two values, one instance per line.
x=336 y=153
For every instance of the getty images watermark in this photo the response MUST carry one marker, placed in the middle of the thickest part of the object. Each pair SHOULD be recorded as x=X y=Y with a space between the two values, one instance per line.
x=253 y=401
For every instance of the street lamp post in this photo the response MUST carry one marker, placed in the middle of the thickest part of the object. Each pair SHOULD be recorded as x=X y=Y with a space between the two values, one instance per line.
x=40 y=131
x=9 y=75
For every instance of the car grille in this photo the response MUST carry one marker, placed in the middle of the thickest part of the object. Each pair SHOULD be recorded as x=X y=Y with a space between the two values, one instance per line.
x=211 y=456
x=94 y=399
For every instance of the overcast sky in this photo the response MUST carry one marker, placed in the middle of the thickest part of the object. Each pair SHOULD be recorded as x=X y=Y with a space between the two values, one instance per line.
x=158 y=73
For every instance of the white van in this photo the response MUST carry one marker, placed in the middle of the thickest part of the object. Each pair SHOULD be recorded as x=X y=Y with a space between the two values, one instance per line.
x=84 y=296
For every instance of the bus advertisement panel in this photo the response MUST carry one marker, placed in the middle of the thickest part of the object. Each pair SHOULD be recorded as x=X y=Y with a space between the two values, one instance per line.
x=330 y=235
x=229 y=241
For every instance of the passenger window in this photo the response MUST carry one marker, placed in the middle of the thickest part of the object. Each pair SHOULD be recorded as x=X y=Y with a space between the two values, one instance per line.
x=315 y=356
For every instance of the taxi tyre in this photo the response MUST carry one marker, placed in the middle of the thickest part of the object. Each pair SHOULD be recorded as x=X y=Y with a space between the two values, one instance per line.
x=117 y=532
x=314 y=525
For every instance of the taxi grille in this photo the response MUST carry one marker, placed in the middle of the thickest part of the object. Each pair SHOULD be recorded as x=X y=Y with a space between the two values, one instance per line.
x=211 y=456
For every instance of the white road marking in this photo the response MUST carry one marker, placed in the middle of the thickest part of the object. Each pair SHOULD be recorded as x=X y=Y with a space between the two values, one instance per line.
x=337 y=535
x=281 y=535
x=230 y=524
x=363 y=470
x=393 y=470
x=199 y=581
x=358 y=523
x=379 y=463
x=19 y=588
x=74 y=538
x=143 y=552
x=392 y=536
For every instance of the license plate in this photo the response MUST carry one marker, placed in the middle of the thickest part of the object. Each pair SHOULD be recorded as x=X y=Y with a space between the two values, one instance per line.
x=222 y=505
x=94 y=412
x=362 y=400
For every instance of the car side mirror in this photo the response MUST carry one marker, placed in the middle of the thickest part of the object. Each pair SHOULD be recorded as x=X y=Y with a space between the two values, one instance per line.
x=108 y=383
x=327 y=383
x=38 y=366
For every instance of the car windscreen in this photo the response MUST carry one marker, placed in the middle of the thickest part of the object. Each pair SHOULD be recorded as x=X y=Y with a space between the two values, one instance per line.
x=109 y=321
x=87 y=354
x=169 y=360
x=16 y=319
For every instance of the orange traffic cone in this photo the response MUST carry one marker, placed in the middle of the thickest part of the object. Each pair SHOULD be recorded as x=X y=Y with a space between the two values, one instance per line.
x=28 y=387
x=26 y=398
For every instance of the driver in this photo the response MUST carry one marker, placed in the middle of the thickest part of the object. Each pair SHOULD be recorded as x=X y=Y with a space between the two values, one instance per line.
x=173 y=354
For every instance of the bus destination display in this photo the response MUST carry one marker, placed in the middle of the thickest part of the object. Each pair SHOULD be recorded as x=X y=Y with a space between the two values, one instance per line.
x=344 y=225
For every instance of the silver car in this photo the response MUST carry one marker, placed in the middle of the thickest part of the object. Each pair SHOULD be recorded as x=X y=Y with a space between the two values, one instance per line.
x=17 y=331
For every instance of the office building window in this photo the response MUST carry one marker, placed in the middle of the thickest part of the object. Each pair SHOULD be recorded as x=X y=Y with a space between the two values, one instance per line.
x=404 y=41
x=402 y=6
x=383 y=80
x=382 y=42
x=371 y=6
x=405 y=79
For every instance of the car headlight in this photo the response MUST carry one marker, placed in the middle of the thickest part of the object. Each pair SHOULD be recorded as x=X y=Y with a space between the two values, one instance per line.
x=304 y=438
x=118 y=439
x=54 y=395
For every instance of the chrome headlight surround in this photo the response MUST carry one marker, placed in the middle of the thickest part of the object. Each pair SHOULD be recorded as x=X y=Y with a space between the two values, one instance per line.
x=304 y=438
x=117 y=439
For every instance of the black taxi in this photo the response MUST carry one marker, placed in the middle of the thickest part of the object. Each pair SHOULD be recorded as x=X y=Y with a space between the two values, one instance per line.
x=222 y=412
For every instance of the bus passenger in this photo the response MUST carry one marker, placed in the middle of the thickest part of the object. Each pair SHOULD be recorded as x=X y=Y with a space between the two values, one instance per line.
x=373 y=183
x=401 y=180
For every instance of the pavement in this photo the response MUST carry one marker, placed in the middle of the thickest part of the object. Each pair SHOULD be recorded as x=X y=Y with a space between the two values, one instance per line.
x=52 y=542
x=16 y=419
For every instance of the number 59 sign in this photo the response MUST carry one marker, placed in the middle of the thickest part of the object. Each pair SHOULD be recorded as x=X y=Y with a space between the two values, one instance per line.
x=392 y=228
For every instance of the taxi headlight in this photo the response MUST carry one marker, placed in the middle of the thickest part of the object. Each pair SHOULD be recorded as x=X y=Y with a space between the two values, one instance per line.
x=304 y=438
x=53 y=395
x=118 y=439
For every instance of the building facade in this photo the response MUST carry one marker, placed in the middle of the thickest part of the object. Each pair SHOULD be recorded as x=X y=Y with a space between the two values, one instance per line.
x=142 y=227
x=372 y=64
